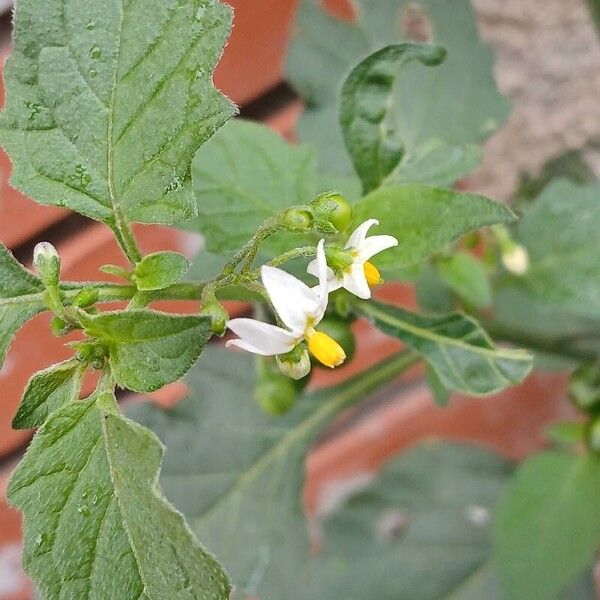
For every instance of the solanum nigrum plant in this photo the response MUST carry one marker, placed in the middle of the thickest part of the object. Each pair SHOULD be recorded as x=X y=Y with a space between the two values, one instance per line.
x=111 y=112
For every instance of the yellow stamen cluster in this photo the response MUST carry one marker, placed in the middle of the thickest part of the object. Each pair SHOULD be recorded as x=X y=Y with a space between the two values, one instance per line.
x=326 y=350
x=372 y=274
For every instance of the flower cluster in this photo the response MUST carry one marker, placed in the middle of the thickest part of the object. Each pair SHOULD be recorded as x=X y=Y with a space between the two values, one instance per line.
x=300 y=308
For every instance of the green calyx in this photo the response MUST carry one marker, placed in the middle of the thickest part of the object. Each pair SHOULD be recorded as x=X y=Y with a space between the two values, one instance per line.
x=218 y=316
x=339 y=259
x=331 y=212
x=295 y=364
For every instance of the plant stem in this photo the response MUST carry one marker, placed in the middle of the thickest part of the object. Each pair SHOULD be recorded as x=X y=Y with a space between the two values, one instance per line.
x=126 y=239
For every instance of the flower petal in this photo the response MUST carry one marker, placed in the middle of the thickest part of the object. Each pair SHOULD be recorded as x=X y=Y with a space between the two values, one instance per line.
x=359 y=235
x=323 y=288
x=374 y=245
x=356 y=282
x=293 y=300
x=261 y=338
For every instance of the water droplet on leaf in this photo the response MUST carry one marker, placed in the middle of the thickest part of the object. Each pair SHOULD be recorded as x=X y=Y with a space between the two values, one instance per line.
x=91 y=25
x=92 y=73
x=95 y=52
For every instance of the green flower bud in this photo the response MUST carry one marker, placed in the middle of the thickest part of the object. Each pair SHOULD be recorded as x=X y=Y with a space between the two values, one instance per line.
x=59 y=327
x=331 y=212
x=294 y=364
x=276 y=396
x=584 y=387
x=340 y=331
x=47 y=263
x=218 y=316
x=86 y=297
x=593 y=435
x=298 y=220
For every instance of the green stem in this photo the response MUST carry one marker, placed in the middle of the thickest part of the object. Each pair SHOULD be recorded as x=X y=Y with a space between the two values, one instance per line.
x=126 y=239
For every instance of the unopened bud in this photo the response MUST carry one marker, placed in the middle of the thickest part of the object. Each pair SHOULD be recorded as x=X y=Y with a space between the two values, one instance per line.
x=593 y=436
x=515 y=259
x=298 y=220
x=331 y=212
x=218 y=316
x=47 y=263
x=294 y=364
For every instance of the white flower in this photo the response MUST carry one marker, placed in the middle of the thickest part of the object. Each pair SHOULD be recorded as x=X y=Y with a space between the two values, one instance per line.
x=360 y=275
x=300 y=309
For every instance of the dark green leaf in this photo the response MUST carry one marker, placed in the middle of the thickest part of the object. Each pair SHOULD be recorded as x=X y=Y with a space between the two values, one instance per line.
x=467 y=277
x=245 y=175
x=548 y=524
x=421 y=531
x=433 y=295
x=96 y=524
x=367 y=110
x=240 y=486
x=21 y=298
x=160 y=270
x=46 y=392
x=456 y=347
x=440 y=113
x=425 y=219
x=108 y=102
x=149 y=349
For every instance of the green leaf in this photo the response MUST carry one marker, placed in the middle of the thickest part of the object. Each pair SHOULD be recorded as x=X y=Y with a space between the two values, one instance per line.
x=21 y=298
x=108 y=102
x=561 y=232
x=149 y=349
x=433 y=295
x=440 y=113
x=467 y=276
x=244 y=175
x=566 y=433
x=420 y=531
x=440 y=393
x=548 y=524
x=367 y=110
x=47 y=391
x=240 y=486
x=160 y=270
x=95 y=522
x=457 y=348
x=425 y=219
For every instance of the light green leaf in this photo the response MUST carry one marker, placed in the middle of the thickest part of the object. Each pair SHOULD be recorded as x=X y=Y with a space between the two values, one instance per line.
x=440 y=113
x=548 y=524
x=467 y=276
x=95 y=522
x=21 y=298
x=367 y=110
x=561 y=231
x=47 y=391
x=456 y=347
x=425 y=219
x=108 y=102
x=160 y=270
x=245 y=175
x=149 y=349
x=240 y=486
